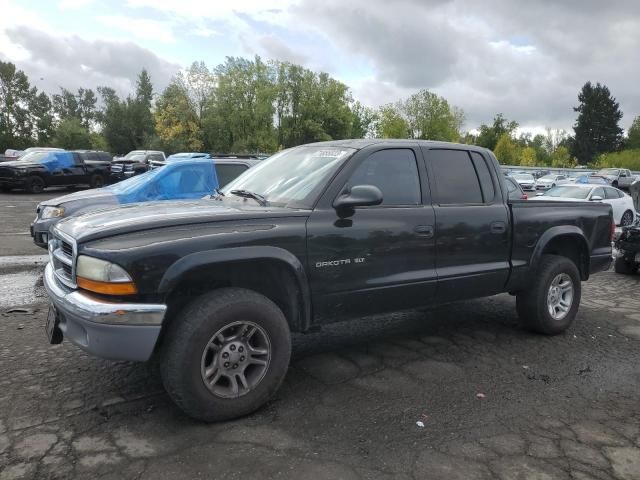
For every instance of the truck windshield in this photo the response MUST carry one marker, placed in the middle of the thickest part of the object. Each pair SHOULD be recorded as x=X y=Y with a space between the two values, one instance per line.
x=33 y=157
x=568 y=192
x=608 y=171
x=292 y=177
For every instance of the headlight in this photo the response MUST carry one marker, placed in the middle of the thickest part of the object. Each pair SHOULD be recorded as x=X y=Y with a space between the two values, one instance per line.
x=105 y=277
x=52 y=212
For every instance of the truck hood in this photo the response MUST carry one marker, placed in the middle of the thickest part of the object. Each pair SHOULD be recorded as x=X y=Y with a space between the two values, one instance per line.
x=150 y=215
x=84 y=195
x=19 y=164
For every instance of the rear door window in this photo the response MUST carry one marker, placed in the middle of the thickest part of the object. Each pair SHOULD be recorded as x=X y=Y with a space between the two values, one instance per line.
x=229 y=171
x=455 y=178
x=598 y=192
x=486 y=182
x=611 y=193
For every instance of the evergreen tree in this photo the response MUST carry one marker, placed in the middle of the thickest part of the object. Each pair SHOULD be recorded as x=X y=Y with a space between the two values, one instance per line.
x=633 y=141
x=597 y=128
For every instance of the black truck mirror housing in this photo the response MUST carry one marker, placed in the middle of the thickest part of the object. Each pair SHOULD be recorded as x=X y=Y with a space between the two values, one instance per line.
x=359 y=196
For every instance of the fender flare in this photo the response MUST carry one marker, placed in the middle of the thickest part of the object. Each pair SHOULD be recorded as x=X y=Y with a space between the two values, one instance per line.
x=560 y=231
x=172 y=276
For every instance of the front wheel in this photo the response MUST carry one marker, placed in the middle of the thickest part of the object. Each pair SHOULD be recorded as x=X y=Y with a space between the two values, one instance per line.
x=625 y=267
x=627 y=218
x=225 y=354
x=550 y=305
x=35 y=185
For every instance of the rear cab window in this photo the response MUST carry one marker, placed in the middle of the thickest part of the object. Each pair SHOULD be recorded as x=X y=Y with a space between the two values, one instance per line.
x=461 y=177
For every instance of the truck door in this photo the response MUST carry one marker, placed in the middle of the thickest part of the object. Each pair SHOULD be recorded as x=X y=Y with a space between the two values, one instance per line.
x=77 y=173
x=472 y=224
x=380 y=257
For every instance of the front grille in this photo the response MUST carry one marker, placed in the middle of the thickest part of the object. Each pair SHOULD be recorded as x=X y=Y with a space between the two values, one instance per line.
x=62 y=253
x=67 y=249
x=116 y=168
x=6 y=172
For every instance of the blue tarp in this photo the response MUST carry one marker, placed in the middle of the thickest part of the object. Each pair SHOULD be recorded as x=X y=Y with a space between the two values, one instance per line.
x=56 y=161
x=183 y=179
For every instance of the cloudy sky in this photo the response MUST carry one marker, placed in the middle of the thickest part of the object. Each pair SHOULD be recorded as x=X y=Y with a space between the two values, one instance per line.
x=525 y=59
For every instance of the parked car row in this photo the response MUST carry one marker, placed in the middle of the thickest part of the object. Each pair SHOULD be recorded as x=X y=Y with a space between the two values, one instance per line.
x=179 y=179
x=622 y=204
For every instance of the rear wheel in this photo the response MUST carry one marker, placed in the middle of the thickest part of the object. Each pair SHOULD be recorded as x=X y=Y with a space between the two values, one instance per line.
x=625 y=267
x=225 y=354
x=35 y=185
x=614 y=183
x=627 y=218
x=97 y=181
x=550 y=305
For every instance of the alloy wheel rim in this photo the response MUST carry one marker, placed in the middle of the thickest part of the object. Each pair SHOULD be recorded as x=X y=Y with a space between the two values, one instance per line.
x=235 y=359
x=627 y=218
x=560 y=296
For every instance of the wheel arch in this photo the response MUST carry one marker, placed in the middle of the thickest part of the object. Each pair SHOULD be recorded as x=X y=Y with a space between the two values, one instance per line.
x=271 y=271
x=562 y=241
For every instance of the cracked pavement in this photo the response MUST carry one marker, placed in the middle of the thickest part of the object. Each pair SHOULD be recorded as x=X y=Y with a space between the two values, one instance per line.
x=551 y=408
x=495 y=401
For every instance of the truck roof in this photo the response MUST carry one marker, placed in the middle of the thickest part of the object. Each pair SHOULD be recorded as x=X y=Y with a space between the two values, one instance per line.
x=359 y=143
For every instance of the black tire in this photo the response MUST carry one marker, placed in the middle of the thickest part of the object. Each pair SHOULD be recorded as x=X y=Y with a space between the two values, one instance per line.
x=532 y=305
x=35 y=184
x=626 y=219
x=97 y=181
x=183 y=351
x=614 y=183
x=625 y=267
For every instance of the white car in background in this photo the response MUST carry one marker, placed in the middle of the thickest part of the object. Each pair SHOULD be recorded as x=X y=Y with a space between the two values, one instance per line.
x=621 y=203
x=550 y=181
x=525 y=180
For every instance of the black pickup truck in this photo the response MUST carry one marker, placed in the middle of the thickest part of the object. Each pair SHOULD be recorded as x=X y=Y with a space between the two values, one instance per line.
x=314 y=234
x=40 y=169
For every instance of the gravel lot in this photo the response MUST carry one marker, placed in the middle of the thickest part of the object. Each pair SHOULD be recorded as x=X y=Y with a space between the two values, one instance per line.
x=494 y=400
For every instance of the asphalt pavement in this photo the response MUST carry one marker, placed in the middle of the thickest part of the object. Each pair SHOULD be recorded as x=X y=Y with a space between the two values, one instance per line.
x=453 y=392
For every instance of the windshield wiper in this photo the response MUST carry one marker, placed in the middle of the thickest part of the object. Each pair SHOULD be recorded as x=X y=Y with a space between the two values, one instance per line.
x=218 y=192
x=247 y=194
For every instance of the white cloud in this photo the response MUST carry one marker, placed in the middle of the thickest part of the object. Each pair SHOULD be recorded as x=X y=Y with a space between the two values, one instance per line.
x=139 y=27
x=73 y=4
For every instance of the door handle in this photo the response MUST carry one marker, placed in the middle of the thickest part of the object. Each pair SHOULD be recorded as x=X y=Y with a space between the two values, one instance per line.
x=424 y=230
x=498 y=227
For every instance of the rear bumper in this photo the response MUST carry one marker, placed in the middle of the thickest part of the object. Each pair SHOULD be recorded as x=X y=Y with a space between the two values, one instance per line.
x=600 y=263
x=116 y=331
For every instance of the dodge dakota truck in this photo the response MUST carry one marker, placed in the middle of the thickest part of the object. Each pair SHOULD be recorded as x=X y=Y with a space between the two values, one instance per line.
x=323 y=232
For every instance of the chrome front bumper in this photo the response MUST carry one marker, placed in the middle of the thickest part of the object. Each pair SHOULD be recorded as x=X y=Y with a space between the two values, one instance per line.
x=117 y=331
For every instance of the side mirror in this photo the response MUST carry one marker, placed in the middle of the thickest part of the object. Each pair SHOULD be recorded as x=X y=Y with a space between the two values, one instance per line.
x=359 y=196
x=596 y=198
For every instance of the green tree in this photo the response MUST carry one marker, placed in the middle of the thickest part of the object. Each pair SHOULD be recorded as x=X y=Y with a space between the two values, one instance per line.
x=597 y=128
x=16 y=94
x=41 y=110
x=127 y=124
x=528 y=157
x=71 y=134
x=362 y=121
x=177 y=124
x=507 y=151
x=430 y=117
x=489 y=135
x=391 y=123
x=561 y=158
x=633 y=140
